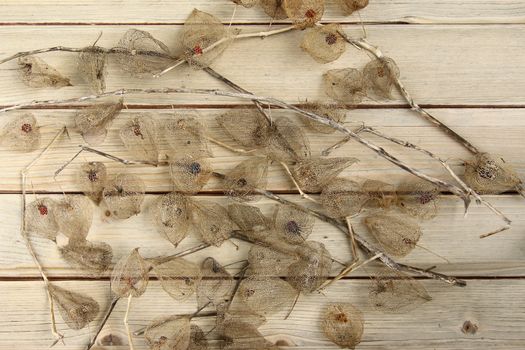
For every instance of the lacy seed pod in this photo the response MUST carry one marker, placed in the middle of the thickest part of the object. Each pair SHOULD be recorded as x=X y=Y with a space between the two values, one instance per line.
x=186 y=137
x=264 y=261
x=394 y=292
x=172 y=216
x=92 y=67
x=418 y=199
x=21 y=134
x=397 y=234
x=342 y=198
x=169 y=333
x=178 y=277
x=241 y=181
x=487 y=174
x=212 y=222
x=144 y=54
x=198 y=339
x=93 y=122
x=124 y=195
x=345 y=85
x=343 y=324
x=292 y=224
x=36 y=73
x=350 y=6
x=248 y=218
x=273 y=8
x=287 y=142
x=312 y=269
x=314 y=174
x=381 y=75
x=139 y=136
x=76 y=309
x=304 y=13
x=40 y=218
x=74 y=215
x=266 y=295
x=247 y=127
x=215 y=285
x=94 y=257
x=239 y=335
x=324 y=43
x=130 y=275
x=333 y=112
x=92 y=178
x=380 y=194
x=189 y=174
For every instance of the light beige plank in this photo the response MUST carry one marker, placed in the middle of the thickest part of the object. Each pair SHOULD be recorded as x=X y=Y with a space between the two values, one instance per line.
x=175 y=11
x=499 y=131
x=495 y=306
x=449 y=235
x=468 y=64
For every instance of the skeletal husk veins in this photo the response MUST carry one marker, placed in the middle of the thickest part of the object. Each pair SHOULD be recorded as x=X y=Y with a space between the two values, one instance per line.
x=40 y=218
x=130 y=275
x=343 y=324
x=189 y=174
x=418 y=199
x=273 y=8
x=186 y=137
x=139 y=136
x=313 y=174
x=312 y=269
x=350 y=6
x=21 y=134
x=292 y=224
x=343 y=198
x=178 y=277
x=287 y=142
x=92 y=178
x=381 y=76
x=247 y=127
x=380 y=194
x=331 y=111
x=74 y=215
x=169 y=333
x=171 y=214
x=324 y=43
x=93 y=122
x=248 y=218
x=248 y=175
x=94 y=257
x=123 y=195
x=345 y=85
x=487 y=174
x=266 y=295
x=77 y=310
x=36 y=73
x=304 y=13
x=264 y=261
x=212 y=222
x=92 y=67
x=215 y=285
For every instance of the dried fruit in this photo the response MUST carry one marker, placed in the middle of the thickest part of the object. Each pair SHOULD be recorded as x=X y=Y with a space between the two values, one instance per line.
x=189 y=174
x=198 y=339
x=21 y=134
x=324 y=43
x=380 y=194
x=343 y=324
x=248 y=218
x=312 y=269
x=186 y=137
x=139 y=136
x=212 y=222
x=381 y=75
x=333 y=112
x=264 y=261
x=40 y=218
x=418 y=199
x=124 y=195
x=93 y=122
x=487 y=174
x=216 y=283
x=313 y=174
x=342 y=198
x=92 y=67
x=304 y=13
x=36 y=73
x=178 y=277
x=287 y=142
x=241 y=181
x=171 y=214
x=273 y=8
x=266 y=295
x=94 y=257
x=292 y=224
x=74 y=215
x=130 y=275
x=239 y=335
x=76 y=309
x=247 y=127
x=350 y=6
x=169 y=333
x=92 y=178
x=345 y=85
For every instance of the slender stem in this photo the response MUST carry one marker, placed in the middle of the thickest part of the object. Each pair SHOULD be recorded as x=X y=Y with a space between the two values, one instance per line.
x=351 y=235
x=164 y=259
x=117 y=159
x=301 y=192
x=104 y=321
x=126 y=324
x=59 y=170
x=354 y=266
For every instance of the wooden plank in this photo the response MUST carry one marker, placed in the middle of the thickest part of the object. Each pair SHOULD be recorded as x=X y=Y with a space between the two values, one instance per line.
x=176 y=11
x=494 y=306
x=450 y=235
x=499 y=131
x=439 y=64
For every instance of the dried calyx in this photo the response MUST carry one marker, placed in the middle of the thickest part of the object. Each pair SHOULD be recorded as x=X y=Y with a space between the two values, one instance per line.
x=248 y=175
x=350 y=6
x=313 y=174
x=130 y=275
x=21 y=134
x=343 y=324
x=487 y=174
x=92 y=65
x=36 y=73
x=74 y=215
x=93 y=122
x=123 y=195
x=92 y=178
x=94 y=257
x=172 y=216
x=77 y=310
x=139 y=136
x=324 y=43
x=189 y=174
x=304 y=13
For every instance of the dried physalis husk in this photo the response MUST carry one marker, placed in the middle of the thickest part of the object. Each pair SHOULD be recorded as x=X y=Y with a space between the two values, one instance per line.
x=487 y=174
x=418 y=198
x=273 y=8
x=212 y=222
x=333 y=112
x=124 y=195
x=92 y=178
x=169 y=333
x=142 y=54
x=239 y=335
x=21 y=134
x=248 y=218
x=93 y=122
x=74 y=215
x=36 y=73
x=342 y=198
x=246 y=3
x=130 y=275
x=40 y=218
x=172 y=216
x=189 y=174
x=380 y=194
x=266 y=295
x=92 y=67
x=324 y=43
x=304 y=13
x=198 y=339
x=394 y=292
x=186 y=136
x=247 y=127
x=397 y=234
x=264 y=261
x=343 y=324
x=238 y=312
x=312 y=269
x=215 y=285
x=76 y=309
x=287 y=142
x=178 y=277
x=247 y=176
x=200 y=36
x=292 y=224
x=350 y=6
x=139 y=136
x=345 y=85
x=381 y=75
x=314 y=174
x=94 y=257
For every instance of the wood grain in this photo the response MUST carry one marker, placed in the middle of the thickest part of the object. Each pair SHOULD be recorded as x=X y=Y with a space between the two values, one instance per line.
x=176 y=11
x=494 y=306
x=443 y=65
x=449 y=235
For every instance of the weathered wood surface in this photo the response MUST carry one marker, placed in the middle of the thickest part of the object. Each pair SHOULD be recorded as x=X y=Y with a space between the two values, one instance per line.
x=176 y=11
x=494 y=306
x=440 y=65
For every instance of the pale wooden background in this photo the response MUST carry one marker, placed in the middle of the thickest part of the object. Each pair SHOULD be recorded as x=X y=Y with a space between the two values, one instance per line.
x=462 y=59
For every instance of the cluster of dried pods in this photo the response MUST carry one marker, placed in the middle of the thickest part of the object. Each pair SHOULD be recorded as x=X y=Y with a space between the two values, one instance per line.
x=283 y=262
